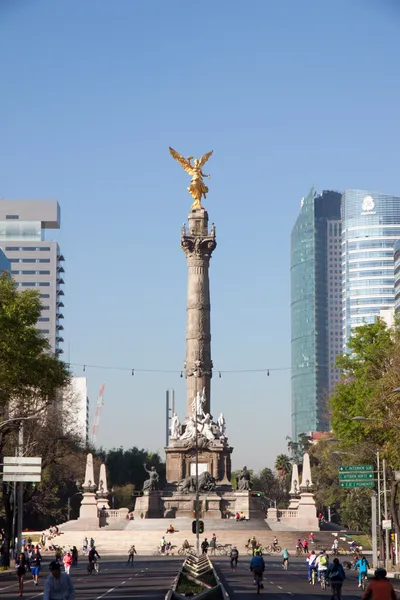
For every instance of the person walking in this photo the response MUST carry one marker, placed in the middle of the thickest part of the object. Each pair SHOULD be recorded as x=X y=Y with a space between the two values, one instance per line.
x=234 y=557
x=67 y=560
x=131 y=554
x=204 y=546
x=213 y=544
x=35 y=561
x=58 y=586
x=336 y=576
x=379 y=587
x=74 y=556
x=21 y=567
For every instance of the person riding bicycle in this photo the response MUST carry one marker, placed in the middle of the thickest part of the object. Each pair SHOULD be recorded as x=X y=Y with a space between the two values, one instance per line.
x=312 y=564
x=285 y=557
x=275 y=542
x=336 y=576
x=322 y=564
x=380 y=587
x=362 y=566
x=257 y=567
x=93 y=556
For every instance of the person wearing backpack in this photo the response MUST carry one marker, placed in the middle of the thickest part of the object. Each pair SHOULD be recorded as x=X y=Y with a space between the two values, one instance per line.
x=234 y=557
x=336 y=576
x=322 y=564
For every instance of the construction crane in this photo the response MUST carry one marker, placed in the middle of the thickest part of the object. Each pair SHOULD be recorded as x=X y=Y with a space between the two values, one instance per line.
x=96 y=422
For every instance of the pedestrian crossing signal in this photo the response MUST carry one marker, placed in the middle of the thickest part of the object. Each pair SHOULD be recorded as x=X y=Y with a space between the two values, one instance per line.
x=201 y=527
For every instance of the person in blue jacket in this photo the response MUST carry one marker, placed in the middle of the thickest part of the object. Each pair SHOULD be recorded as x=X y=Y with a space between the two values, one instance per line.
x=362 y=566
x=336 y=576
x=257 y=566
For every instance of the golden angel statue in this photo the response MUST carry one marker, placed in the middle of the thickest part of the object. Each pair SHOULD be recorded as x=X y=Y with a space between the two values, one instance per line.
x=197 y=187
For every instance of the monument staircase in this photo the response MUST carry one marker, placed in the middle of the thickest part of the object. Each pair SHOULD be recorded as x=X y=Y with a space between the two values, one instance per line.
x=146 y=535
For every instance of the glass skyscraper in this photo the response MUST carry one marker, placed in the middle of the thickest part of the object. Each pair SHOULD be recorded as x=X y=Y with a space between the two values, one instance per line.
x=315 y=309
x=371 y=227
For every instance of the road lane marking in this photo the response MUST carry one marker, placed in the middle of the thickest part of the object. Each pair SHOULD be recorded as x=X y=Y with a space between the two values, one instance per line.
x=280 y=587
x=271 y=582
x=107 y=592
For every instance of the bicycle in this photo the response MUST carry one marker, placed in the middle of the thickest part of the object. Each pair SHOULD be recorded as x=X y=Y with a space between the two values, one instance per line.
x=363 y=582
x=93 y=566
x=299 y=551
x=184 y=551
x=323 y=580
x=312 y=580
x=259 y=583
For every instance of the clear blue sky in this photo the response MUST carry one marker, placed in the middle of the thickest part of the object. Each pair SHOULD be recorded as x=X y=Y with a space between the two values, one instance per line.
x=289 y=94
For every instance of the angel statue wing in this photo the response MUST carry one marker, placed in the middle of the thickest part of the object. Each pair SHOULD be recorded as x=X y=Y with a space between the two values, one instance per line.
x=205 y=158
x=181 y=160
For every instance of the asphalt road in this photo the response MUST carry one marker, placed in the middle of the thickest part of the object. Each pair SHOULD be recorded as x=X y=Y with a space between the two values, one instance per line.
x=279 y=584
x=149 y=578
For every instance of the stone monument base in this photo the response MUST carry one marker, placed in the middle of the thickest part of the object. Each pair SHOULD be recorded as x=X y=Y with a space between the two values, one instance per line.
x=149 y=506
x=213 y=505
x=216 y=459
x=88 y=512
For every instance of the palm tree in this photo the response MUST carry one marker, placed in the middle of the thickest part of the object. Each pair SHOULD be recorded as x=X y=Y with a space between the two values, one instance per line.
x=283 y=465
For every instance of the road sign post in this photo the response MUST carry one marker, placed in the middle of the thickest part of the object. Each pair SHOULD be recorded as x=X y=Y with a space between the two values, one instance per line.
x=356 y=476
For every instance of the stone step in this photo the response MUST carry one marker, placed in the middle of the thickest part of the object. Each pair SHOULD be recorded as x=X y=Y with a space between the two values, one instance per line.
x=146 y=541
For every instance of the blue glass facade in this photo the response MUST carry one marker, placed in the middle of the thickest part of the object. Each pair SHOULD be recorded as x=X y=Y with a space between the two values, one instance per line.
x=317 y=228
x=4 y=262
x=371 y=227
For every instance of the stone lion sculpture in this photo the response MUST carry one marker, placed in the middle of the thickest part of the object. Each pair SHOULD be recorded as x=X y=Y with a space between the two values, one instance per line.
x=207 y=483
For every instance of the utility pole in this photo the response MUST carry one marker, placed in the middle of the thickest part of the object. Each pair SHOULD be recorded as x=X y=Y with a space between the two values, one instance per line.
x=387 y=552
x=374 y=531
x=20 y=488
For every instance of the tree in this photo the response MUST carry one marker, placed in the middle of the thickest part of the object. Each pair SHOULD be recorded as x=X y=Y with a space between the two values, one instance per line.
x=283 y=465
x=275 y=489
x=31 y=378
x=298 y=448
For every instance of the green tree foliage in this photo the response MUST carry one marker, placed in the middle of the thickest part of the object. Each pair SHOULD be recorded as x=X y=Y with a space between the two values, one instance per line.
x=371 y=349
x=298 y=447
x=274 y=488
x=283 y=465
x=31 y=378
x=126 y=466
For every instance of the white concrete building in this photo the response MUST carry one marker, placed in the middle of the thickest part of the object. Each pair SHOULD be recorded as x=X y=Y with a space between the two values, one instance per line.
x=75 y=409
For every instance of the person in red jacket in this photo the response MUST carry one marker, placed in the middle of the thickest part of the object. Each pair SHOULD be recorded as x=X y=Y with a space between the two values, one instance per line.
x=380 y=588
x=67 y=560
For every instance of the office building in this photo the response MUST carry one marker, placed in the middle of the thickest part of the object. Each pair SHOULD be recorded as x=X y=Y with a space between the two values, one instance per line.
x=75 y=410
x=5 y=264
x=370 y=229
x=397 y=276
x=36 y=263
x=315 y=309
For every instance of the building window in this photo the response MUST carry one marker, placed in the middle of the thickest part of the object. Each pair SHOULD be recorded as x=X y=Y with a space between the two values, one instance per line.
x=45 y=295
x=44 y=319
x=46 y=307
x=12 y=217
x=44 y=330
x=44 y=284
x=27 y=284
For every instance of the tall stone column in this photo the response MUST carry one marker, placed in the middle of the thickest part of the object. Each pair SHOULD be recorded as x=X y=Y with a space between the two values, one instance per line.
x=198 y=244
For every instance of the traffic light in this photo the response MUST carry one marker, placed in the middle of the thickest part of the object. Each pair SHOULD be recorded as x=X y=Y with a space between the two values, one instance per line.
x=201 y=526
x=256 y=494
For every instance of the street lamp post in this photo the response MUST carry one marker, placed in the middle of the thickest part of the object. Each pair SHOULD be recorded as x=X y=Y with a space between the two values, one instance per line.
x=112 y=498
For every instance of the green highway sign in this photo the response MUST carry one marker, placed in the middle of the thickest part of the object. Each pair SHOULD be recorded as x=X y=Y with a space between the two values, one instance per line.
x=359 y=468
x=356 y=484
x=355 y=476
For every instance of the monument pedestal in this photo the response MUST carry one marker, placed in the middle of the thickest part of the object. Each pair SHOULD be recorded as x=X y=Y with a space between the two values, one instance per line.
x=149 y=506
x=88 y=511
x=216 y=459
x=307 y=513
